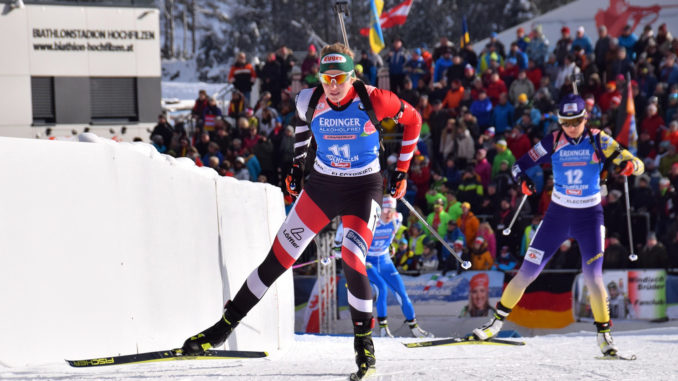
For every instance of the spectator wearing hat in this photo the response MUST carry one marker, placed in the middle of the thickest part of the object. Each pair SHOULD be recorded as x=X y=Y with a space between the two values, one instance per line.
x=469 y=76
x=240 y=170
x=606 y=98
x=480 y=255
x=438 y=218
x=453 y=206
x=468 y=222
x=481 y=108
x=563 y=46
x=497 y=45
x=503 y=153
x=415 y=67
x=310 y=60
x=582 y=40
x=402 y=252
x=441 y=47
x=538 y=48
x=505 y=261
x=522 y=85
x=522 y=40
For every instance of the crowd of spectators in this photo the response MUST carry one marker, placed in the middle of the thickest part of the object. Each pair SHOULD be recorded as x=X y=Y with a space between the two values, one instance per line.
x=480 y=113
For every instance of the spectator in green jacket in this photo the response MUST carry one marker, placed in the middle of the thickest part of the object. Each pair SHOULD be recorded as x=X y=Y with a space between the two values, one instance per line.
x=438 y=218
x=503 y=153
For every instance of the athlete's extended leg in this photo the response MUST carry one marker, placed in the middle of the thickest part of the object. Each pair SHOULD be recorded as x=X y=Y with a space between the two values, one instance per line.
x=391 y=275
x=305 y=220
x=552 y=231
x=591 y=245
x=372 y=267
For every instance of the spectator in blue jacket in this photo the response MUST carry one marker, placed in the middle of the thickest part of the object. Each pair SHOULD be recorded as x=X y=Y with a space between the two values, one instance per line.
x=441 y=65
x=415 y=67
x=628 y=40
x=669 y=71
x=502 y=115
x=519 y=55
x=505 y=261
x=581 y=39
x=396 y=65
x=481 y=108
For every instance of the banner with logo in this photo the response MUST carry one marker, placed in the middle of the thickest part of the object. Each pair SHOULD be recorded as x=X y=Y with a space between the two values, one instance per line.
x=633 y=294
x=470 y=294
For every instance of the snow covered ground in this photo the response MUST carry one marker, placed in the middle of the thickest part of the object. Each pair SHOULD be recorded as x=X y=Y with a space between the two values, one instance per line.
x=552 y=357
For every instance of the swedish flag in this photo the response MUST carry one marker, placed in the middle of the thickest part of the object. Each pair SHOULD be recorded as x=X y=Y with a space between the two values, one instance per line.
x=465 y=38
x=376 y=36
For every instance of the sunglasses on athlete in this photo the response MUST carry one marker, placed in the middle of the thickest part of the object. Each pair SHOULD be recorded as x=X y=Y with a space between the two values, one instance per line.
x=571 y=122
x=338 y=78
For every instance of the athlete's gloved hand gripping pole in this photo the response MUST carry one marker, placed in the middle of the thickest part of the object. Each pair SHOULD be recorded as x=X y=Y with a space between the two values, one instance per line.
x=464 y=264
x=293 y=180
x=528 y=189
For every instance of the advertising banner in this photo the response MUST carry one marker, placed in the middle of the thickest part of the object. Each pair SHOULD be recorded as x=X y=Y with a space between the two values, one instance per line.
x=470 y=294
x=633 y=294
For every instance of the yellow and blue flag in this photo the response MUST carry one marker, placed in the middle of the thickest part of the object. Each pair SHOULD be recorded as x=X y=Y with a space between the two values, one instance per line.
x=376 y=36
x=465 y=37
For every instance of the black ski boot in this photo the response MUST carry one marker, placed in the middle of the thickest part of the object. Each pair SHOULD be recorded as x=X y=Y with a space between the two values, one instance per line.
x=214 y=335
x=364 y=349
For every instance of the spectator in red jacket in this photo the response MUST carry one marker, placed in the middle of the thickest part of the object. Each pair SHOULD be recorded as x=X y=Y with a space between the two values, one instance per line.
x=495 y=88
x=518 y=142
x=652 y=122
x=606 y=98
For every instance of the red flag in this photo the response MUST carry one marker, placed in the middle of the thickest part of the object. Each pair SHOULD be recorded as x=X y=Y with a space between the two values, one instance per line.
x=393 y=17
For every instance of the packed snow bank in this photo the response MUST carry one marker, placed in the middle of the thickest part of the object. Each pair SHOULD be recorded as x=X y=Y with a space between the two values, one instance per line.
x=113 y=248
x=553 y=357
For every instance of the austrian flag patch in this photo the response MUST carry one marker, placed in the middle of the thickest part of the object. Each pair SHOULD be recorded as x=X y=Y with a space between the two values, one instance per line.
x=537 y=152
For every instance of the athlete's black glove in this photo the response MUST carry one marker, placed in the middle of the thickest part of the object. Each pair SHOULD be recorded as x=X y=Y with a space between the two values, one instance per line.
x=398 y=184
x=293 y=180
x=527 y=185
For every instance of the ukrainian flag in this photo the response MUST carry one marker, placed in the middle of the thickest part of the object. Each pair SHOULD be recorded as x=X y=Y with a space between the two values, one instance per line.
x=376 y=36
x=465 y=38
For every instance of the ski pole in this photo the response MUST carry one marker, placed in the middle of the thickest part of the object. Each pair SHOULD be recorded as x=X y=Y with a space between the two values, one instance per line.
x=633 y=257
x=507 y=231
x=341 y=7
x=464 y=264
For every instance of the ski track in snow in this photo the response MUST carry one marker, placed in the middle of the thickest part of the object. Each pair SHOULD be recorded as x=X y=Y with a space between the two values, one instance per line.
x=551 y=357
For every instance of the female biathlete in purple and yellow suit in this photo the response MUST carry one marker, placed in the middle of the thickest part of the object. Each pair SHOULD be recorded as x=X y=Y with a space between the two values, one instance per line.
x=345 y=181
x=577 y=155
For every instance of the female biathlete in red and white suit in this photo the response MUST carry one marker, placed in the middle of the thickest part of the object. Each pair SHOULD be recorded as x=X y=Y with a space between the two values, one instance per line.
x=345 y=181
